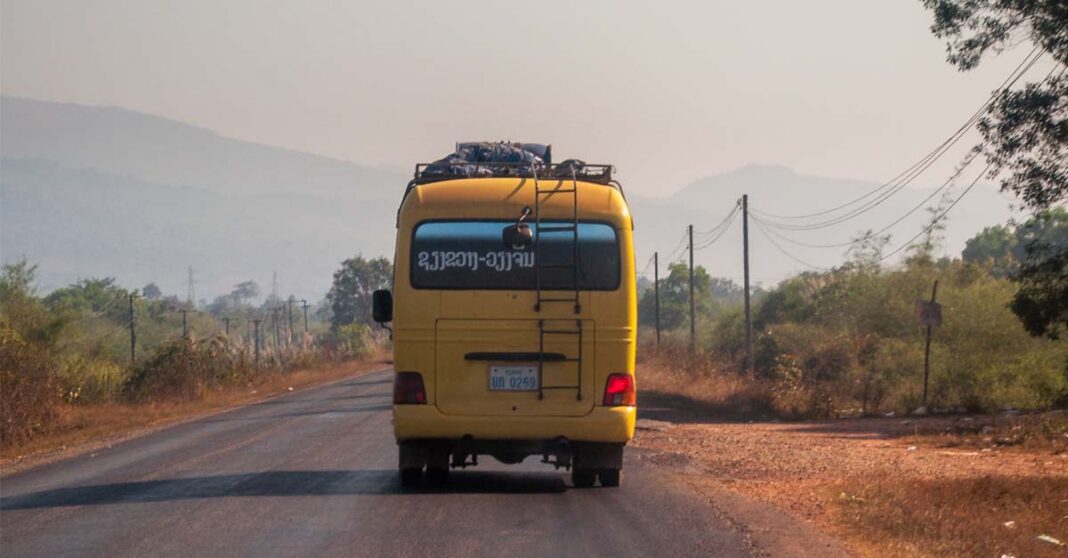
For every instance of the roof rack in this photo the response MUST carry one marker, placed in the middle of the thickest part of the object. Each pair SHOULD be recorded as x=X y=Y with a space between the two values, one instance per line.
x=600 y=174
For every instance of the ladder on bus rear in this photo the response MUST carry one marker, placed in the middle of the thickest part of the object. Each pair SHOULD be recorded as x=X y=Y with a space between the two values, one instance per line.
x=544 y=331
x=572 y=266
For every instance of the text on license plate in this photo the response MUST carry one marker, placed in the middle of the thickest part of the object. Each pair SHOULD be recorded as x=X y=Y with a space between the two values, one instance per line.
x=513 y=378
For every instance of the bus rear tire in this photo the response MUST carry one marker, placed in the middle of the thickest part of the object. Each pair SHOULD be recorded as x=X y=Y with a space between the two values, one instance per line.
x=410 y=478
x=582 y=478
x=610 y=478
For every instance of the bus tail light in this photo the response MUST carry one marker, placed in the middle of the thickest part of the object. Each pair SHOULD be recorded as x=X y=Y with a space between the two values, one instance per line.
x=408 y=389
x=619 y=390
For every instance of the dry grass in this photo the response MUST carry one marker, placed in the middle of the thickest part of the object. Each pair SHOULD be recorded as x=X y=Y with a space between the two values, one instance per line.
x=1038 y=432
x=986 y=516
x=717 y=389
x=82 y=425
x=886 y=486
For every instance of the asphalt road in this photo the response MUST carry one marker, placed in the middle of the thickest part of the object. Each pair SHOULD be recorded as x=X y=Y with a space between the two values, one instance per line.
x=313 y=473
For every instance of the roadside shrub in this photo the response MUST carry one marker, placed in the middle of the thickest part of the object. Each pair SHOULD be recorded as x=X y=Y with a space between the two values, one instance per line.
x=355 y=340
x=29 y=396
x=87 y=380
x=185 y=369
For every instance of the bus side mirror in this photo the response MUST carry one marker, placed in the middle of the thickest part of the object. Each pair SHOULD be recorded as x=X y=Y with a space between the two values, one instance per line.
x=382 y=306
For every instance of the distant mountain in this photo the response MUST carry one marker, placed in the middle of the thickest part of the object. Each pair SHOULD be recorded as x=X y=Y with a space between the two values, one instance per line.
x=126 y=143
x=100 y=191
x=76 y=223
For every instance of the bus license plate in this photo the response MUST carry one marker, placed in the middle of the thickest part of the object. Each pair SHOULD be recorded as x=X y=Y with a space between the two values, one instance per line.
x=513 y=378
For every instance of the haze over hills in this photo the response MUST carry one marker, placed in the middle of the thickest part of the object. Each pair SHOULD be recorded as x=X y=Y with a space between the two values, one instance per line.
x=100 y=191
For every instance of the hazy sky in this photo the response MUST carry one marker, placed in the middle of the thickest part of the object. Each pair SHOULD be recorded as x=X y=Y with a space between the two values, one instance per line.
x=668 y=91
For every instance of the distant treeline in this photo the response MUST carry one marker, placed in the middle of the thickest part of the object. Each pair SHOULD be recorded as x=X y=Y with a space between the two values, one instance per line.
x=848 y=340
x=73 y=346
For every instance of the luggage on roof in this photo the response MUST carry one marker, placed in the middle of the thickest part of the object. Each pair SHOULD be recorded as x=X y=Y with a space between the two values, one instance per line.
x=485 y=159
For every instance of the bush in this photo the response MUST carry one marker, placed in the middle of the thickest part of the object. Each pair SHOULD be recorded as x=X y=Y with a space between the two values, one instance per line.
x=355 y=340
x=185 y=369
x=87 y=380
x=29 y=396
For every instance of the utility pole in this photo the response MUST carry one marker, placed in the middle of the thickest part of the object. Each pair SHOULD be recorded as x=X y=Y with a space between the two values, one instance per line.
x=304 y=303
x=256 y=342
x=656 y=292
x=185 y=324
x=289 y=304
x=226 y=321
x=133 y=330
x=191 y=294
x=693 y=324
x=927 y=348
x=745 y=264
x=274 y=321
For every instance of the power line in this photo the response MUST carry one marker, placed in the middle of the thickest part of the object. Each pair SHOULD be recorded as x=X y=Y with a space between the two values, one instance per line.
x=726 y=227
x=940 y=215
x=785 y=252
x=913 y=172
x=679 y=249
x=945 y=184
x=646 y=268
x=716 y=228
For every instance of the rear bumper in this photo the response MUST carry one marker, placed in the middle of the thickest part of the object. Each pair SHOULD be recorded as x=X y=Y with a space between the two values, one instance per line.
x=603 y=424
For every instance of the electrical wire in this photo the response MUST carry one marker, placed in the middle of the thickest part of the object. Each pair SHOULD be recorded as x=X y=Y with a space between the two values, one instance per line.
x=939 y=217
x=785 y=252
x=723 y=231
x=646 y=268
x=893 y=224
x=680 y=246
x=898 y=183
x=721 y=224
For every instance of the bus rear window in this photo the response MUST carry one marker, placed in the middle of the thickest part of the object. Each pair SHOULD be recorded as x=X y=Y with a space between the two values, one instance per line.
x=472 y=255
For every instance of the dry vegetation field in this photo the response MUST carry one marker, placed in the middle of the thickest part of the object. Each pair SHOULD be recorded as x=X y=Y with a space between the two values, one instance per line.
x=977 y=485
x=81 y=427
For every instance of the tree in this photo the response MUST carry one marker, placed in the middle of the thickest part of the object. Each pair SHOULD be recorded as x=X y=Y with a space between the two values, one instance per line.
x=994 y=247
x=151 y=292
x=1042 y=301
x=675 y=297
x=97 y=296
x=1025 y=131
x=350 y=295
x=245 y=291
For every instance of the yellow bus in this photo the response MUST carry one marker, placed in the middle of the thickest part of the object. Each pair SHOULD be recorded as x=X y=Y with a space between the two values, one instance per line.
x=514 y=320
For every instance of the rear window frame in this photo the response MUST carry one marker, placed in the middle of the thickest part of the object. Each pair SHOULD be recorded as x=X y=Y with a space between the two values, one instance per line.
x=411 y=253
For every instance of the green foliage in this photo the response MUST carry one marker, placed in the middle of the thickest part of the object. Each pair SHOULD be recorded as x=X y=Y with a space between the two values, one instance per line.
x=848 y=339
x=1025 y=132
x=21 y=309
x=994 y=247
x=350 y=295
x=1042 y=301
x=356 y=340
x=675 y=297
x=73 y=348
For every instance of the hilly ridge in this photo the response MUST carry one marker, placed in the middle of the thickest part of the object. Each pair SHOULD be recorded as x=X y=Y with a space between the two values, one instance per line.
x=100 y=191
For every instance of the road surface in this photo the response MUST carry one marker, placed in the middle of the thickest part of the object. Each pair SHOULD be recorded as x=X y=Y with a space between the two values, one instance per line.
x=313 y=473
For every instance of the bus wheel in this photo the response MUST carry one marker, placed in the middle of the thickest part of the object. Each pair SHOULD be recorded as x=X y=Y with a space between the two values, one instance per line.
x=582 y=478
x=610 y=477
x=410 y=478
x=436 y=476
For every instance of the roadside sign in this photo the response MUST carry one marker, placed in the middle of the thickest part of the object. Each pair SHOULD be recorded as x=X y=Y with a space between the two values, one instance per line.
x=928 y=313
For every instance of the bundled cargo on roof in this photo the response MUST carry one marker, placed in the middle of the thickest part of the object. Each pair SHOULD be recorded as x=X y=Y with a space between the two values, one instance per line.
x=485 y=159
x=491 y=159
